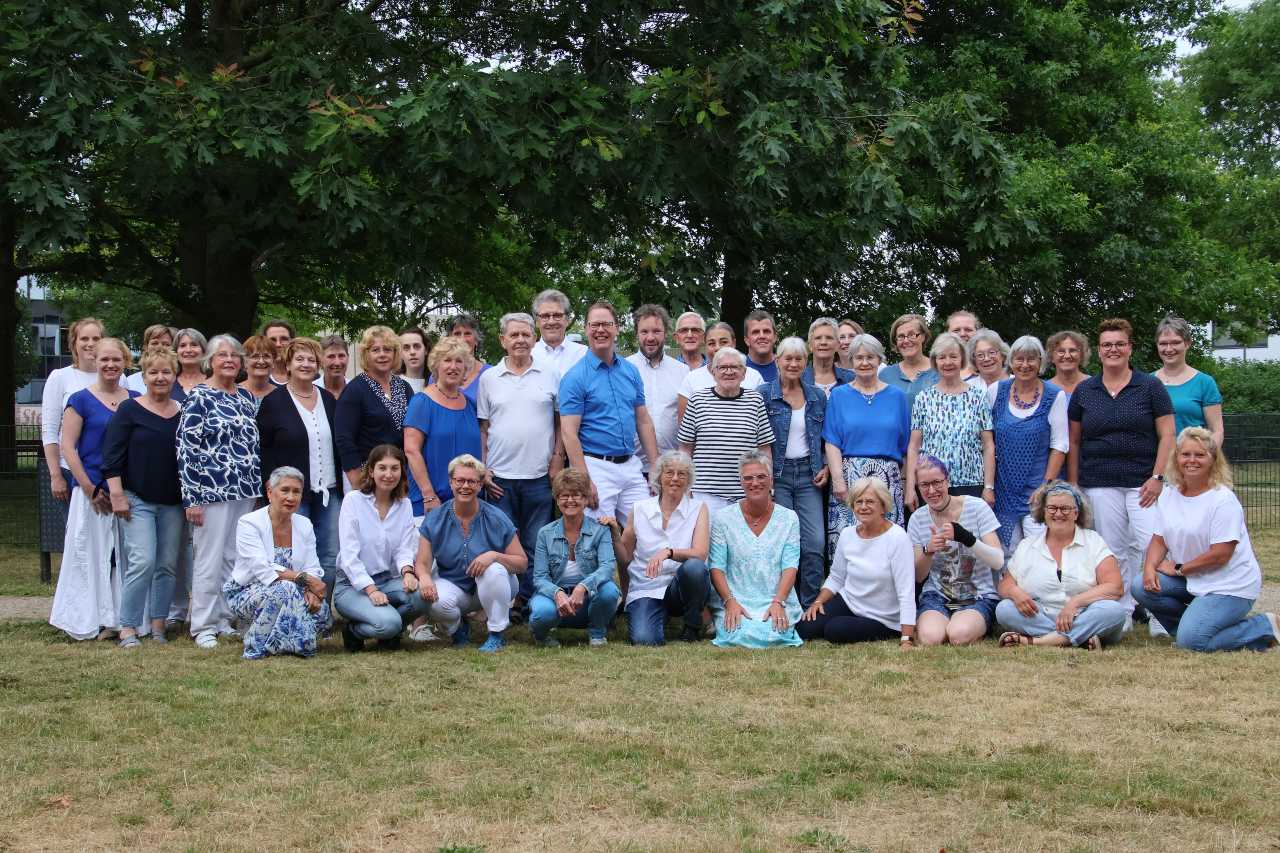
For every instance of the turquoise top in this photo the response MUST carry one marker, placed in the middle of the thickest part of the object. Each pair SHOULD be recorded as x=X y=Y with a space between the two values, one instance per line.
x=752 y=566
x=1190 y=398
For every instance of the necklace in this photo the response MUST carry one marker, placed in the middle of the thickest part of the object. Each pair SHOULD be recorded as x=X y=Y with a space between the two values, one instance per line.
x=1027 y=404
x=446 y=394
x=753 y=522
x=303 y=396
x=869 y=398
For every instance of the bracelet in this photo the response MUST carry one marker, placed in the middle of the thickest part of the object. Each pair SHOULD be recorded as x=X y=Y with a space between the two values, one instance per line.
x=905 y=639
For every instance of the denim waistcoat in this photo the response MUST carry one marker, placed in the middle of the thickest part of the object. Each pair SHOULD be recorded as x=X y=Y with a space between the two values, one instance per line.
x=779 y=412
x=594 y=554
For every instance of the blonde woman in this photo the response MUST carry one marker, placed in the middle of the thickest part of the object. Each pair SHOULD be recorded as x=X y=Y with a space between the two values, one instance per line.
x=372 y=407
x=82 y=338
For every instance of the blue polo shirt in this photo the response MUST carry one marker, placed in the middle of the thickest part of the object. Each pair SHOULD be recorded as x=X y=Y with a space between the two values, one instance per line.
x=1118 y=439
x=605 y=395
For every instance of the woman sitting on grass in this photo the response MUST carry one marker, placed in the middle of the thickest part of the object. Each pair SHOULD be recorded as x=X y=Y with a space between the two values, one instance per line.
x=573 y=567
x=1200 y=577
x=755 y=553
x=1063 y=586
x=277 y=587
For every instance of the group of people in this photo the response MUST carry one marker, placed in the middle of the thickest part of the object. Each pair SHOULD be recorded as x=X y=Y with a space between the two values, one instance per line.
x=805 y=489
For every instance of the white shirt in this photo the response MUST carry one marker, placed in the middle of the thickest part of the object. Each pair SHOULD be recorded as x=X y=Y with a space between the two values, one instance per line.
x=324 y=476
x=58 y=388
x=1190 y=526
x=661 y=391
x=876 y=577
x=797 y=441
x=371 y=545
x=521 y=411
x=134 y=382
x=560 y=358
x=700 y=378
x=1035 y=570
x=256 y=555
x=417 y=383
x=652 y=539
x=1058 y=434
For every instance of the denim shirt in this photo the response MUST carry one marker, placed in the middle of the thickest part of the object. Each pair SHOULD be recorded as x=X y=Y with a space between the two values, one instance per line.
x=843 y=375
x=779 y=412
x=594 y=555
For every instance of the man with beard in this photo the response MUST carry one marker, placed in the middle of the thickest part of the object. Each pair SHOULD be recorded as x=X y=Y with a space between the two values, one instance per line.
x=661 y=375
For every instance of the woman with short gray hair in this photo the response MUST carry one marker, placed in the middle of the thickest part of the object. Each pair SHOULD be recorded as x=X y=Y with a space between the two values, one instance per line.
x=1197 y=402
x=988 y=357
x=218 y=465
x=277 y=587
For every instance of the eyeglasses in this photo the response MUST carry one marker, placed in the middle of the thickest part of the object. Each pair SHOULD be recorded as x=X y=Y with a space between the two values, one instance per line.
x=602 y=325
x=930 y=485
x=689 y=330
x=460 y=481
x=908 y=336
x=1050 y=509
x=730 y=368
x=1114 y=345
x=551 y=315
x=755 y=478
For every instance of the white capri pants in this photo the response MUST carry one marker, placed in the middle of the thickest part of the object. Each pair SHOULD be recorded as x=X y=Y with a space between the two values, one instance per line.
x=1127 y=529
x=619 y=485
x=214 y=546
x=496 y=588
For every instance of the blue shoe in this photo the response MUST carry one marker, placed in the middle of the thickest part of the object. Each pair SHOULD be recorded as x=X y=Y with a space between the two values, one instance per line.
x=462 y=637
x=495 y=643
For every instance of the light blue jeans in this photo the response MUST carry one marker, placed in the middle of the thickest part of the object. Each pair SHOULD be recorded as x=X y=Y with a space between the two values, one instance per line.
x=1103 y=619
x=1204 y=623
x=595 y=614
x=324 y=520
x=793 y=488
x=153 y=538
x=368 y=620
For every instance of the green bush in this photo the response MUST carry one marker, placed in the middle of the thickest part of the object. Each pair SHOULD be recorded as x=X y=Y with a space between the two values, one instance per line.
x=1247 y=386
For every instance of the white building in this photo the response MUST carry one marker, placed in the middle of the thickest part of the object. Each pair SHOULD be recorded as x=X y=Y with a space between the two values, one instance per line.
x=1225 y=349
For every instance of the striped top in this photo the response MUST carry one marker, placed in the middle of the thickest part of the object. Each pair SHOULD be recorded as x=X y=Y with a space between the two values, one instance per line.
x=721 y=429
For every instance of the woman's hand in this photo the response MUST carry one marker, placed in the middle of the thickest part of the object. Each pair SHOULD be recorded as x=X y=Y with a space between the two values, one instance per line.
x=1150 y=582
x=904 y=646
x=654 y=567
x=1150 y=492
x=815 y=610
x=58 y=487
x=101 y=503
x=195 y=515
x=377 y=597
x=495 y=491
x=1025 y=603
x=778 y=615
x=909 y=496
x=316 y=586
x=312 y=600
x=839 y=489
x=733 y=614
x=120 y=505
x=564 y=604
x=481 y=563
x=940 y=537
x=430 y=502
x=820 y=478
x=989 y=495
x=409 y=580
x=578 y=598
x=1067 y=616
x=427 y=589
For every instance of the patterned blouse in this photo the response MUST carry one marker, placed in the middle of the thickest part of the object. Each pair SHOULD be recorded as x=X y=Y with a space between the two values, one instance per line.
x=218 y=447
x=951 y=426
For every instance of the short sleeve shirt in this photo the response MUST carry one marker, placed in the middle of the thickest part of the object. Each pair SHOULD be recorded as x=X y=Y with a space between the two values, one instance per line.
x=1191 y=526
x=951 y=426
x=1118 y=438
x=453 y=550
x=1190 y=399
x=605 y=395
x=956 y=574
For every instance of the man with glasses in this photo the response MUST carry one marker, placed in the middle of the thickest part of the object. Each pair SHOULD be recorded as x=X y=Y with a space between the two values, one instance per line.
x=661 y=375
x=691 y=329
x=551 y=310
x=602 y=412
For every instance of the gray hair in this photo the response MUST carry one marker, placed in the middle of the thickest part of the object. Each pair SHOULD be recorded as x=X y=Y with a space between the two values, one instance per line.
x=947 y=341
x=1177 y=325
x=670 y=459
x=825 y=321
x=514 y=317
x=652 y=310
x=990 y=336
x=551 y=295
x=792 y=346
x=1030 y=345
x=725 y=353
x=195 y=335
x=466 y=321
x=695 y=315
x=215 y=343
x=868 y=343
x=285 y=472
x=755 y=456
x=1084 y=510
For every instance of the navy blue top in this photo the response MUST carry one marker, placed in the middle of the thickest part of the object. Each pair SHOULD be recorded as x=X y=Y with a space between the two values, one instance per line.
x=779 y=412
x=1118 y=438
x=96 y=416
x=284 y=437
x=141 y=448
x=768 y=372
x=605 y=396
x=446 y=434
x=364 y=419
x=218 y=446
x=880 y=428
x=491 y=530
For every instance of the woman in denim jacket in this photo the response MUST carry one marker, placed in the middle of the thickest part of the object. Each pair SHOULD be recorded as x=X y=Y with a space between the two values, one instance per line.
x=796 y=411
x=573 y=567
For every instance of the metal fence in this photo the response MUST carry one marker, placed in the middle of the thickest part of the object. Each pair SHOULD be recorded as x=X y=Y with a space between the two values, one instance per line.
x=1253 y=446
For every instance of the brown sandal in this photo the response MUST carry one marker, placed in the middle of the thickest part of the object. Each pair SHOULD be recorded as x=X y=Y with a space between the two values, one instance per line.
x=1094 y=644
x=1009 y=639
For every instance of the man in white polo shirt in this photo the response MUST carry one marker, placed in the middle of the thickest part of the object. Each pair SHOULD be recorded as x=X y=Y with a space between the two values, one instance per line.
x=719 y=335
x=551 y=309
x=520 y=435
x=661 y=375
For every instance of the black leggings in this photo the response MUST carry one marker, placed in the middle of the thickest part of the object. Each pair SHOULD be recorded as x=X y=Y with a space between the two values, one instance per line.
x=841 y=625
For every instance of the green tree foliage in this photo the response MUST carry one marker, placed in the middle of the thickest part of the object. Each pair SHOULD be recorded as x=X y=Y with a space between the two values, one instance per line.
x=1247 y=386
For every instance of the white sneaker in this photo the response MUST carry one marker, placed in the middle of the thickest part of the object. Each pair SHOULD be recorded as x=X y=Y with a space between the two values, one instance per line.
x=1156 y=629
x=229 y=632
x=207 y=640
x=597 y=642
x=1275 y=627
x=423 y=634
x=1128 y=624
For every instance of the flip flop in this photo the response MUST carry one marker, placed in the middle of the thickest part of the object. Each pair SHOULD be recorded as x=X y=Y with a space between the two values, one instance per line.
x=1094 y=644
x=1009 y=639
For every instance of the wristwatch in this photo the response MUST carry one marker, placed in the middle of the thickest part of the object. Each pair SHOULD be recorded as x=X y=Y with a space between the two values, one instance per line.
x=1159 y=477
x=301 y=580
x=1177 y=570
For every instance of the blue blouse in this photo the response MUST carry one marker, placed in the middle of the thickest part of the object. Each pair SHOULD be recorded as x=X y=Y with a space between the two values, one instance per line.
x=453 y=551
x=364 y=418
x=96 y=416
x=879 y=428
x=218 y=446
x=893 y=375
x=1190 y=399
x=446 y=434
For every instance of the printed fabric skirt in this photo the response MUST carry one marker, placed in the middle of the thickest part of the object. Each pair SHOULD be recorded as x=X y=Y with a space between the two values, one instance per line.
x=840 y=516
x=275 y=618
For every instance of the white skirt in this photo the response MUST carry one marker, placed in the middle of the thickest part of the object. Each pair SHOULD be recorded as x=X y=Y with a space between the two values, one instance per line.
x=88 y=594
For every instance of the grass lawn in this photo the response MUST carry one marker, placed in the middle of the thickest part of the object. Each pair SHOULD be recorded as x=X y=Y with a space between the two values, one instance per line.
x=1138 y=747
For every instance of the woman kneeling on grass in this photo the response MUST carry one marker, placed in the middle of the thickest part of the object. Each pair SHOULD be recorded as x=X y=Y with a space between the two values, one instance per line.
x=1063 y=586
x=277 y=587
x=573 y=567
x=871 y=592
x=1200 y=577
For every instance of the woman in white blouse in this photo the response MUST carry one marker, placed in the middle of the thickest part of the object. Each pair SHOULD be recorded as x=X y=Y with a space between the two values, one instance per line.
x=1063 y=585
x=871 y=591
x=376 y=589
x=1201 y=578
x=82 y=338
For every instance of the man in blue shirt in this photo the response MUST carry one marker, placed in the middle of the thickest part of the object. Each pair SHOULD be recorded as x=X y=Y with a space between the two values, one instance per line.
x=602 y=411
x=761 y=333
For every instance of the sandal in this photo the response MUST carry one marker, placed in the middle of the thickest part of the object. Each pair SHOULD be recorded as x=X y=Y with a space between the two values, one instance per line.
x=1094 y=644
x=1010 y=639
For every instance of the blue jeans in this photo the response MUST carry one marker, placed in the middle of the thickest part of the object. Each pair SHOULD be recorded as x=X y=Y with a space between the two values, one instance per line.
x=1103 y=619
x=793 y=488
x=324 y=520
x=528 y=504
x=1204 y=623
x=153 y=539
x=595 y=614
x=372 y=622
x=686 y=595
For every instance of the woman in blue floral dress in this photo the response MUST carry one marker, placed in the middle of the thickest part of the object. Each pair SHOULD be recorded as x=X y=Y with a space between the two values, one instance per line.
x=277 y=588
x=755 y=553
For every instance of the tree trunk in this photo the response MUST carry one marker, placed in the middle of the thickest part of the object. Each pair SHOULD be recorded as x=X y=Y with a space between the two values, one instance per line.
x=9 y=317
x=737 y=290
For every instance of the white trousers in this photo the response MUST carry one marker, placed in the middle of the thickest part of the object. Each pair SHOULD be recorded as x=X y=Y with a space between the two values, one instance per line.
x=1127 y=528
x=88 y=594
x=618 y=485
x=214 y=546
x=496 y=588
x=714 y=503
